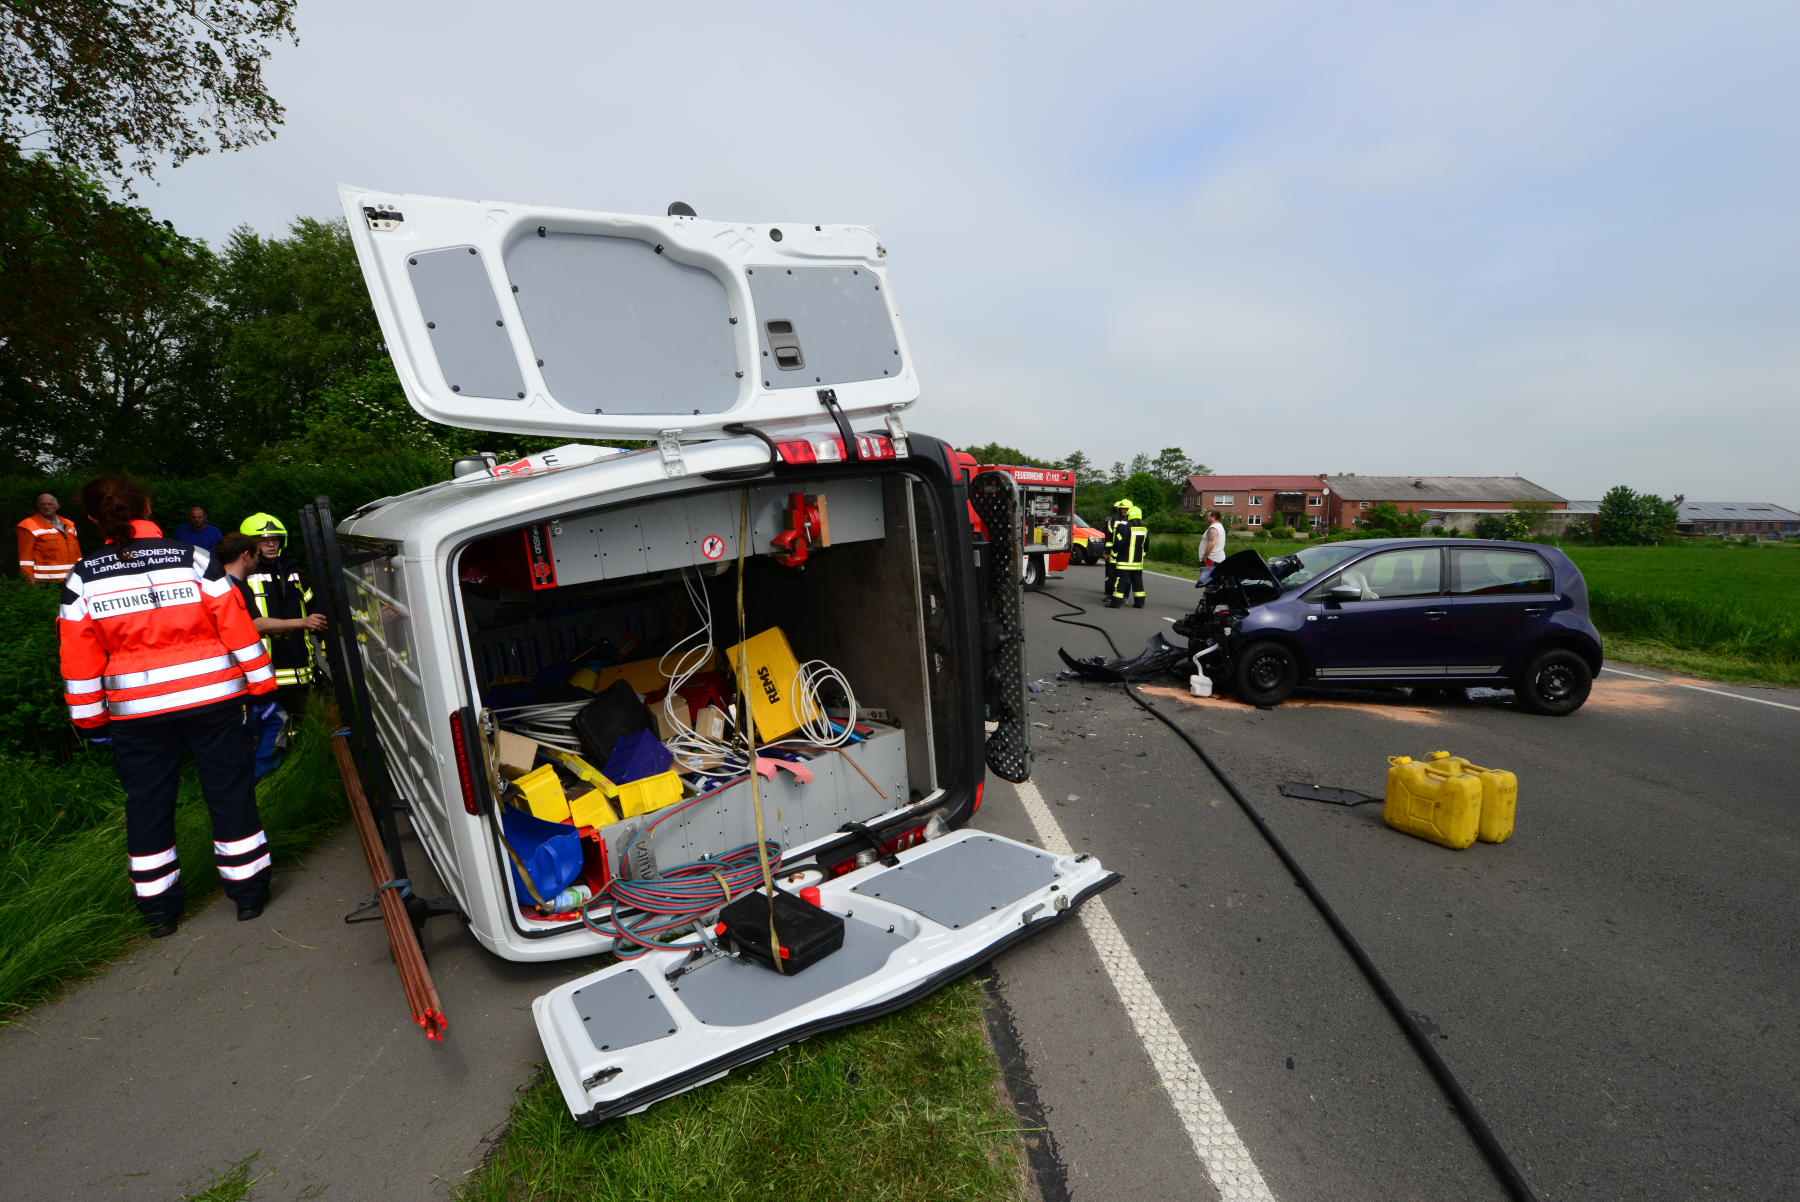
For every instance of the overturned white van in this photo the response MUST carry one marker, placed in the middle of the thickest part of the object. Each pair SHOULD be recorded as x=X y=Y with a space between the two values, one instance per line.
x=781 y=492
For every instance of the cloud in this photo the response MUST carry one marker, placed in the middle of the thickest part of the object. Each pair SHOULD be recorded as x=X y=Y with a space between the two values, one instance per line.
x=1381 y=238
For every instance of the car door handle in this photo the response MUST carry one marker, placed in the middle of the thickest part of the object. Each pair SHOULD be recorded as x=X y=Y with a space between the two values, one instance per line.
x=1536 y=611
x=1435 y=614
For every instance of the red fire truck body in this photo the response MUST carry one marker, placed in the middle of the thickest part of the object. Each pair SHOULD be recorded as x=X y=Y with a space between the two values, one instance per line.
x=1047 y=512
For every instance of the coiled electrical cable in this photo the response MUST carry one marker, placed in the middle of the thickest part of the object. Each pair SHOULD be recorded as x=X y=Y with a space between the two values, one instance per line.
x=820 y=727
x=1477 y=1126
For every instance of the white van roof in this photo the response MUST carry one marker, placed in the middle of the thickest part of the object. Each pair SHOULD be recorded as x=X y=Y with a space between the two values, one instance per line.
x=536 y=320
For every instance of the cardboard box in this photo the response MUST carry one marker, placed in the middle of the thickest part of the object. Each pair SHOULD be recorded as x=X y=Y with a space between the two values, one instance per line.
x=665 y=728
x=517 y=754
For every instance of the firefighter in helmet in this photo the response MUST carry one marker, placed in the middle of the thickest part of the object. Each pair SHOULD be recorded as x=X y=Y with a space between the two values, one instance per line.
x=1128 y=565
x=1118 y=542
x=275 y=584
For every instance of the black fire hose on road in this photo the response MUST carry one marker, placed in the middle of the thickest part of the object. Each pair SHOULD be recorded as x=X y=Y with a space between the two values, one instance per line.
x=1465 y=1106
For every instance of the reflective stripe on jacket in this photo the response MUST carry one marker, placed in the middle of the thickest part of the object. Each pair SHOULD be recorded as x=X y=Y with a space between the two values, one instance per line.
x=275 y=583
x=47 y=550
x=1118 y=540
x=154 y=631
x=1137 y=538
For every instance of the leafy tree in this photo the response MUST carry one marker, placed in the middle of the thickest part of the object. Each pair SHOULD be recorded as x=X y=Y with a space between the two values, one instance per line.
x=1140 y=464
x=993 y=452
x=102 y=358
x=1386 y=520
x=99 y=80
x=1118 y=473
x=293 y=318
x=1173 y=467
x=1630 y=518
x=1085 y=469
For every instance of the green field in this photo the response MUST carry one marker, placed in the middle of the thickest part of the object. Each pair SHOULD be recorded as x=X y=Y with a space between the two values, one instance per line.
x=1713 y=609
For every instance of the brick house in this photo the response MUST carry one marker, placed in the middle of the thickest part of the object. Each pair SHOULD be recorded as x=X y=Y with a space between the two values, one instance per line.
x=1352 y=496
x=1258 y=501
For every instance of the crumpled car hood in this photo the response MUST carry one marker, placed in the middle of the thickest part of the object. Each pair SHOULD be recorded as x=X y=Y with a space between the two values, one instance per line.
x=1246 y=568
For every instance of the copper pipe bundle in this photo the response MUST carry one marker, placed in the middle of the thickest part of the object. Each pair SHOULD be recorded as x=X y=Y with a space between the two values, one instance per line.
x=415 y=978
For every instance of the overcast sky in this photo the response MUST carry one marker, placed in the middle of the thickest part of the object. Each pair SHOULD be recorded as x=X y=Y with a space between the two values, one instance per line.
x=1558 y=240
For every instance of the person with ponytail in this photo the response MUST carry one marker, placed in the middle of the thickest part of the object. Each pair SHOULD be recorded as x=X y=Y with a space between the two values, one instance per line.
x=160 y=658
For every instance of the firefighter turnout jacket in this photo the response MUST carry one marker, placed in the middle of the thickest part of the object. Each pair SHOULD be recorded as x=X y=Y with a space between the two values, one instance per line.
x=154 y=631
x=47 y=549
x=275 y=583
x=1137 y=542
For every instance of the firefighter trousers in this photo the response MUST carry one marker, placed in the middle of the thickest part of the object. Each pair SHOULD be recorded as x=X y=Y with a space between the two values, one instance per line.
x=147 y=755
x=1129 y=582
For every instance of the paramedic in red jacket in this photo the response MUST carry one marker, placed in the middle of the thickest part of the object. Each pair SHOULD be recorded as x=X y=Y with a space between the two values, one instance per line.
x=159 y=654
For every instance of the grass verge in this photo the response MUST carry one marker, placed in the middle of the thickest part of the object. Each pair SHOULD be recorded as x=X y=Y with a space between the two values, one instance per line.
x=66 y=907
x=901 y=1109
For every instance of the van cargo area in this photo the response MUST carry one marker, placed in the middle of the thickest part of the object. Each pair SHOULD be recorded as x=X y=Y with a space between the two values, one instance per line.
x=604 y=659
x=719 y=705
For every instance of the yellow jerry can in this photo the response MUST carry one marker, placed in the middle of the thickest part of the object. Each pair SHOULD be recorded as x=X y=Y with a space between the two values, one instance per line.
x=1499 y=796
x=1434 y=800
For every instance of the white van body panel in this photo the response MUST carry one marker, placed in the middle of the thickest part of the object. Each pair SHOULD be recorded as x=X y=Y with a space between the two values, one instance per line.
x=537 y=320
x=627 y=1036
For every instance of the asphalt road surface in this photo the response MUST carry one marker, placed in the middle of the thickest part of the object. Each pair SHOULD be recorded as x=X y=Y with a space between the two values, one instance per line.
x=1614 y=987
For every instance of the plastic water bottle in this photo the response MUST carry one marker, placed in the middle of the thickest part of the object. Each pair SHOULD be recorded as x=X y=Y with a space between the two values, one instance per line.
x=572 y=898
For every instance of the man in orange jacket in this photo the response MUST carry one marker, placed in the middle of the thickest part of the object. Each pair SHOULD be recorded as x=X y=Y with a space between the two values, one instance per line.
x=47 y=543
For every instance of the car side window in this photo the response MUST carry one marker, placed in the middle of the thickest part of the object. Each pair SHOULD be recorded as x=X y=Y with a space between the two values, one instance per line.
x=1493 y=572
x=1414 y=572
x=1391 y=575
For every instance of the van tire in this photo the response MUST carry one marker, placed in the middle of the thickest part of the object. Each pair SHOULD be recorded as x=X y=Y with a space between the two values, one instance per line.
x=1267 y=673
x=1554 y=682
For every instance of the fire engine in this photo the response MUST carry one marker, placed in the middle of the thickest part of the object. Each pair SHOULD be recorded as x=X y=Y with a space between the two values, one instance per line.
x=1046 y=515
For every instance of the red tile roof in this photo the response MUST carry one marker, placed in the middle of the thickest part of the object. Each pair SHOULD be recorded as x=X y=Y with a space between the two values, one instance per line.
x=1257 y=483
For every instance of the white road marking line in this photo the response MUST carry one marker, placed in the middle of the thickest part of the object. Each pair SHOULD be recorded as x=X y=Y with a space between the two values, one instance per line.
x=1226 y=1160
x=1700 y=688
x=1166 y=576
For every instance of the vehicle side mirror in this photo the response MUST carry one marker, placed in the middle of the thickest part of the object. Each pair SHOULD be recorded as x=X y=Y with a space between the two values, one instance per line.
x=1337 y=594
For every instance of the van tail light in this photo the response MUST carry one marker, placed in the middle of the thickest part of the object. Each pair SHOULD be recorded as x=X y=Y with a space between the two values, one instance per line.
x=911 y=837
x=801 y=451
x=463 y=775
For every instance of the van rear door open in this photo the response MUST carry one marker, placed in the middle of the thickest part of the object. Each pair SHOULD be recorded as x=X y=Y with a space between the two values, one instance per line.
x=768 y=364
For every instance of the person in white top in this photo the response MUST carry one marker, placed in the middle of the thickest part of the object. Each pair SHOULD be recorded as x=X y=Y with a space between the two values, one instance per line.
x=1212 y=546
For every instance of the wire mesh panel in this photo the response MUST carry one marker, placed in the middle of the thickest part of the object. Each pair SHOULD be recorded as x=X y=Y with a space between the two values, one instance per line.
x=995 y=498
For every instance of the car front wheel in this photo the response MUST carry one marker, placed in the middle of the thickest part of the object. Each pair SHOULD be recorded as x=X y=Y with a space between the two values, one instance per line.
x=1555 y=682
x=1267 y=673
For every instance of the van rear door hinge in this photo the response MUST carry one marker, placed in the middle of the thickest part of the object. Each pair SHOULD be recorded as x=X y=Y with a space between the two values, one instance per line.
x=669 y=443
x=382 y=219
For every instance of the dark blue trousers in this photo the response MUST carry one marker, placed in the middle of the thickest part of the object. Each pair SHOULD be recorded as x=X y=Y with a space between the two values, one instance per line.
x=147 y=754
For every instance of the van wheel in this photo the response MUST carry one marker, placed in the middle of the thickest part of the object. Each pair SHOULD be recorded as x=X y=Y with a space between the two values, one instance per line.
x=1034 y=571
x=1555 y=682
x=1267 y=673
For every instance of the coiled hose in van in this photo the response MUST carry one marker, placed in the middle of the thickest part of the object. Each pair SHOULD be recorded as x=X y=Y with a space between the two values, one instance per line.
x=1465 y=1106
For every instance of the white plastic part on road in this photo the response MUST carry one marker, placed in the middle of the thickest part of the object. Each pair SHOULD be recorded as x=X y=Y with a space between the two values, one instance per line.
x=1227 y=1161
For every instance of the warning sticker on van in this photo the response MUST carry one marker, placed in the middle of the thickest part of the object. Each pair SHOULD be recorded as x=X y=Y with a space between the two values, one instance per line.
x=543 y=563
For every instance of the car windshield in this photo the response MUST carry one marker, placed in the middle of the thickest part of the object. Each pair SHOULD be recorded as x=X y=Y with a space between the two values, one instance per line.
x=1309 y=563
x=1080 y=521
